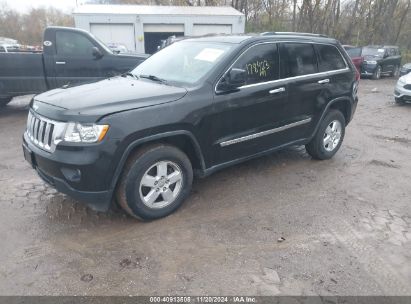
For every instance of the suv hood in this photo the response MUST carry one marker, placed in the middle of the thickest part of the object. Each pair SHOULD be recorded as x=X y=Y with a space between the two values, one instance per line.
x=105 y=97
x=406 y=78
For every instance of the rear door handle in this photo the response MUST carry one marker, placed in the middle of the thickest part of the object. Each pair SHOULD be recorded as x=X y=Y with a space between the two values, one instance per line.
x=323 y=81
x=60 y=62
x=279 y=90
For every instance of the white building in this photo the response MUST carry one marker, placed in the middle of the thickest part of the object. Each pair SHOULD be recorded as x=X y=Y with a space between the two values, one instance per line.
x=142 y=27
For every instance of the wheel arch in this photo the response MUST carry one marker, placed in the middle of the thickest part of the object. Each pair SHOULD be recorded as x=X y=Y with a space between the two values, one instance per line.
x=342 y=104
x=182 y=139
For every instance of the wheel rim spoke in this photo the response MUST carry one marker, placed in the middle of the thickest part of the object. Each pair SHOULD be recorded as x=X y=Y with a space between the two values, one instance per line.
x=151 y=197
x=174 y=177
x=327 y=140
x=168 y=195
x=148 y=181
x=162 y=169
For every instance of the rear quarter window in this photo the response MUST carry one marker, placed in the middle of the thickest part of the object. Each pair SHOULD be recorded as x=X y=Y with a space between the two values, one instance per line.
x=330 y=58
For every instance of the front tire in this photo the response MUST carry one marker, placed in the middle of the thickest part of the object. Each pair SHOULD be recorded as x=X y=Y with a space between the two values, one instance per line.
x=329 y=137
x=155 y=182
x=377 y=73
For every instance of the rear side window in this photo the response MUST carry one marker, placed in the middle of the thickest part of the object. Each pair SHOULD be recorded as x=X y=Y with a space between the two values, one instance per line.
x=299 y=59
x=71 y=43
x=354 y=52
x=329 y=58
x=261 y=62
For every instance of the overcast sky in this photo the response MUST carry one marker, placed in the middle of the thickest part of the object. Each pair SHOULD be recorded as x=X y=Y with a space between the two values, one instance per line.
x=24 y=5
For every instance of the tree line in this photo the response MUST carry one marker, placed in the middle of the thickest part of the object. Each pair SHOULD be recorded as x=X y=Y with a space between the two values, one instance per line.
x=356 y=22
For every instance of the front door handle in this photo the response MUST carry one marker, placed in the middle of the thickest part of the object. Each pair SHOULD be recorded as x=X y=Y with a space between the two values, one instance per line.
x=60 y=62
x=279 y=90
x=324 y=81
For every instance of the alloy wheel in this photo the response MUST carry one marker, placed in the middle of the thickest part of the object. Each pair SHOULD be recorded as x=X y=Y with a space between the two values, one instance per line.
x=332 y=135
x=161 y=184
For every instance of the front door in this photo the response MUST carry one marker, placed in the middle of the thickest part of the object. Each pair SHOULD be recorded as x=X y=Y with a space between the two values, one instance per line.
x=74 y=60
x=246 y=119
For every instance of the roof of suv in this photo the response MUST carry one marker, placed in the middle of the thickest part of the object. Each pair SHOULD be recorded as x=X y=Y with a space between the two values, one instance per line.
x=382 y=46
x=238 y=39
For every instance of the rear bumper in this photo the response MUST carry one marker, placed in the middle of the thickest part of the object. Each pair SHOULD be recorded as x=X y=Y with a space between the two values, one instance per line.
x=82 y=181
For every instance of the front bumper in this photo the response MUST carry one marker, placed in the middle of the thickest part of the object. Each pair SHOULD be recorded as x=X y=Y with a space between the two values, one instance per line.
x=82 y=174
x=368 y=69
x=401 y=93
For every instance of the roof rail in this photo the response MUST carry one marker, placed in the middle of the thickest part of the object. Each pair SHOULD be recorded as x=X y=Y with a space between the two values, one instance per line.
x=293 y=33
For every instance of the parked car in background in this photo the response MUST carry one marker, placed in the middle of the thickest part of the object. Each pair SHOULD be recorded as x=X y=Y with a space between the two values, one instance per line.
x=402 y=92
x=118 y=48
x=355 y=54
x=196 y=106
x=381 y=60
x=70 y=57
x=7 y=48
x=405 y=69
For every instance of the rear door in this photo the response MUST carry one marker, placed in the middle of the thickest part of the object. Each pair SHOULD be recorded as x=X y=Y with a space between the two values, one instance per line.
x=74 y=61
x=334 y=67
x=308 y=88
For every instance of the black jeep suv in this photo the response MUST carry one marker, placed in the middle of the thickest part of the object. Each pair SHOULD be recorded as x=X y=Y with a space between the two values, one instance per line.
x=198 y=105
x=381 y=60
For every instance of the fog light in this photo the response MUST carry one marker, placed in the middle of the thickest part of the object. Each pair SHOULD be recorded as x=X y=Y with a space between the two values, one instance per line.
x=72 y=175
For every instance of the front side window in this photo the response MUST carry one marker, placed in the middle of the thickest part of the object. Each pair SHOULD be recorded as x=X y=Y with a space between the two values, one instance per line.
x=261 y=62
x=70 y=43
x=329 y=58
x=299 y=59
x=185 y=62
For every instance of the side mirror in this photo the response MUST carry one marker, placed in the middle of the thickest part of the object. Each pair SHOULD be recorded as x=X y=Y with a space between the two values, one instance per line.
x=96 y=53
x=234 y=79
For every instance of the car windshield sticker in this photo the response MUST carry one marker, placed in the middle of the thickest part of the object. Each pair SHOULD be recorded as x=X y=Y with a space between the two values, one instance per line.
x=209 y=54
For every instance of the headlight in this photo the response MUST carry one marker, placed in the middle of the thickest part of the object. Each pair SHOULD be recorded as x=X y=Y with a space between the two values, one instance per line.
x=371 y=62
x=401 y=82
x=87 y=133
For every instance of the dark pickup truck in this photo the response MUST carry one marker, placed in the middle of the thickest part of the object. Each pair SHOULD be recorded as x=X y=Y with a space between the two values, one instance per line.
x=71 y=56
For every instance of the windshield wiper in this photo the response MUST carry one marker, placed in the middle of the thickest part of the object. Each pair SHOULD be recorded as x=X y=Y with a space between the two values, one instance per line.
x=154 y=78
x=129 y=74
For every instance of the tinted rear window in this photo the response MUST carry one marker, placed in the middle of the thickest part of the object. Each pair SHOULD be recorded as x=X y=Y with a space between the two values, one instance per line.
x=329 y=58
x=300 y=59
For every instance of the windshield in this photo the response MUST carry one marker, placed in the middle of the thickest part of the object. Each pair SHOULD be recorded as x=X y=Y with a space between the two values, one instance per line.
x=354 y=52
x=184 y=62
x=367 y=51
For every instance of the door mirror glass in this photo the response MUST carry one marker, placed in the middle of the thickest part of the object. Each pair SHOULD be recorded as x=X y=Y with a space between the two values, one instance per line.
x=234 y=79
x=97 y=53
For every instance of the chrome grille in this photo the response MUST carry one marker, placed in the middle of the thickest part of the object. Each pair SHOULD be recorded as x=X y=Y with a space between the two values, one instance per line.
x=43 y=132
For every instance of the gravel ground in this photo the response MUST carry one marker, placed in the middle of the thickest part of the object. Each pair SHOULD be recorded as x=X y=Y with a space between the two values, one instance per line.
x=346 y=222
